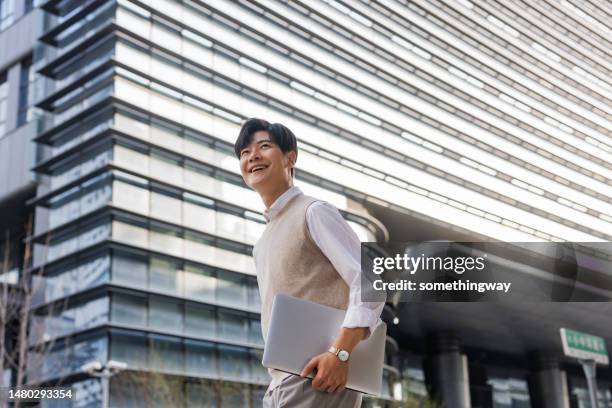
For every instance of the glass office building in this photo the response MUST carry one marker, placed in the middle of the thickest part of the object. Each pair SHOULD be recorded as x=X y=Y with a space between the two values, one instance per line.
x=419 y=120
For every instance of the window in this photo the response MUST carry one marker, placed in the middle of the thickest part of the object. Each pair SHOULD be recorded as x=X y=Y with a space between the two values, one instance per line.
x=232 y=326
x=129 y=270
x=201 y=395
x=258 y=372
x=165 y=315
x=200 y=321
x=201 y=359
x=166 y=353
x=7 y=13
x=231 y=289
x=129 y=310
x=24 y=111
x=253 y=294
x=3 y=100
x=255 y=335
x=89 y=274
x=92 y=313
x=199 y=284
x=167 y=240
x=130 y=348
x=164 y=276
x=233 y=362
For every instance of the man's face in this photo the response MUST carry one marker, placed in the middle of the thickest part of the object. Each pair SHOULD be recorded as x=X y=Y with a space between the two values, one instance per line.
x=263 y=165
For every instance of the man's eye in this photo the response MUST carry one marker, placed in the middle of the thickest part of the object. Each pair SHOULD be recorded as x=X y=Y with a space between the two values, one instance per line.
x=242 y=153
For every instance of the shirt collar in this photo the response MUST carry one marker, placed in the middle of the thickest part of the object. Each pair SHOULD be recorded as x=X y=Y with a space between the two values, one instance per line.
x=281 y=202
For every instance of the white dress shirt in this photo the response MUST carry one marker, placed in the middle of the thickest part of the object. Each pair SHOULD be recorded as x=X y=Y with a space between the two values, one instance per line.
x=340 y=244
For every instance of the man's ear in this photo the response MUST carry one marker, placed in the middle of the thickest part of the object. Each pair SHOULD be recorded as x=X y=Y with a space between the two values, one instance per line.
x=292 y=158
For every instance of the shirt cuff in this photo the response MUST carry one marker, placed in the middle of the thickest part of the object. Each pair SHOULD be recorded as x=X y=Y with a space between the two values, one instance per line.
x=361 y=317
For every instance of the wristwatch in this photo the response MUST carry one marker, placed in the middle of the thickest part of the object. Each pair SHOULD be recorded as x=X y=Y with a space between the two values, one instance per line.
x=342 y=355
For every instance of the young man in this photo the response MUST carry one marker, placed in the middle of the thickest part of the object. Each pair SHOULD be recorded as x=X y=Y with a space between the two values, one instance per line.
x=307 y=251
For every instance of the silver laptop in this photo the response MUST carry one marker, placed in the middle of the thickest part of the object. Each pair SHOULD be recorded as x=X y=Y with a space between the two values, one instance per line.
x=300 y=330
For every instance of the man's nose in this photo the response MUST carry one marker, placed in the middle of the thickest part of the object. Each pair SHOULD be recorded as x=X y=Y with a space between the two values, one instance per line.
x=253 y=155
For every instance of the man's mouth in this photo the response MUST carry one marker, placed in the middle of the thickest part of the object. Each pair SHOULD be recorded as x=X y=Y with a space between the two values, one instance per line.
x=258 y=168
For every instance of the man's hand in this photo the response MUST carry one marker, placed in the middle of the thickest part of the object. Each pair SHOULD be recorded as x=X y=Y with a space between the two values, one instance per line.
x=330 y=373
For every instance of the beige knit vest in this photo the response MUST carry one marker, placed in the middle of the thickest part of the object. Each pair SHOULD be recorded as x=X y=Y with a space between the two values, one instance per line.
x=289 y=261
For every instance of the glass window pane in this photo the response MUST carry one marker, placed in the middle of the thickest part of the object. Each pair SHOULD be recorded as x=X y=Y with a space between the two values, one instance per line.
x=95 y=199
x=231 y=289
x=166 y=241
x=201 y=359
x=233 y=362
x=92 y=313
x=232 y=326
x=166 y=353
x=255 y=335
x=259 y=373
x=86 y=351
x=129 y=348
x=199 y=284
x=233 y=396
x=166 y=315
x=163 y=276
x=131 y=271
x=94 y=272
x=200 y=394
x=200 y=321
x=129 y=310
x=253 y=295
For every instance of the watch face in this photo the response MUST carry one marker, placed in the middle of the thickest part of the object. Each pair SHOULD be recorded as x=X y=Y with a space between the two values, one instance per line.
x=343 y=355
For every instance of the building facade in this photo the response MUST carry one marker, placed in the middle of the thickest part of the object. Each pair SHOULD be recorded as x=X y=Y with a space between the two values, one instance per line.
x=419 y=120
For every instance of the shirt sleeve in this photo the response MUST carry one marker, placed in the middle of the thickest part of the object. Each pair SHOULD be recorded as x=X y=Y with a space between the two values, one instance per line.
x=340 y=244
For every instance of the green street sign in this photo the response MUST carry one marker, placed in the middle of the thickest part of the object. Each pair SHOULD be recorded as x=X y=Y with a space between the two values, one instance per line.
x=584 y=346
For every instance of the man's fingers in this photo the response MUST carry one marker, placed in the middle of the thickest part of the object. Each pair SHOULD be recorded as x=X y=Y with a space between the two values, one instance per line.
x=340 y=388
x=318 y=382
x=312 y=364
x=332 y=388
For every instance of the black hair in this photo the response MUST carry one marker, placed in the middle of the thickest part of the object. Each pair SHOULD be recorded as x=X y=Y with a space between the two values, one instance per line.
x=279 y=134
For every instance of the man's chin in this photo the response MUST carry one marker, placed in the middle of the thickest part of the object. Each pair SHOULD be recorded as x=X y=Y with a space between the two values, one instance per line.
x=257 y=184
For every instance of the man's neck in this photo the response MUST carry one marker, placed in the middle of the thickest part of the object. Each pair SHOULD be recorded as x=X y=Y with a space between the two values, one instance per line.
x=269 y=198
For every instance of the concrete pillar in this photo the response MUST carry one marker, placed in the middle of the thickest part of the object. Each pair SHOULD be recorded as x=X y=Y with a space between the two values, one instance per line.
x=446 y=371
x=547 y=382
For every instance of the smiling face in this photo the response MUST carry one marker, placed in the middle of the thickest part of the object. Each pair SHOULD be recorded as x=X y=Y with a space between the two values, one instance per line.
x=264 y=167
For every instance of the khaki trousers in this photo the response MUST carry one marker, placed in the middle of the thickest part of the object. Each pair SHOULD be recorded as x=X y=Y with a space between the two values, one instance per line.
x=297 y=392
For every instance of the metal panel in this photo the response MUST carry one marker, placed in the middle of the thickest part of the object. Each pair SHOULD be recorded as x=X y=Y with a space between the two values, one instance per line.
x=16 y=158
x=17 y=41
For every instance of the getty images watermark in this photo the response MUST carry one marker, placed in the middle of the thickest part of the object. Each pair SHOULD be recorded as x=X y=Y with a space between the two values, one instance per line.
x=487 y=271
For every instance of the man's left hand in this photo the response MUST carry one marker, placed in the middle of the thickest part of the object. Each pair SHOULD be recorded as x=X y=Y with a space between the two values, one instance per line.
x=330 y=375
